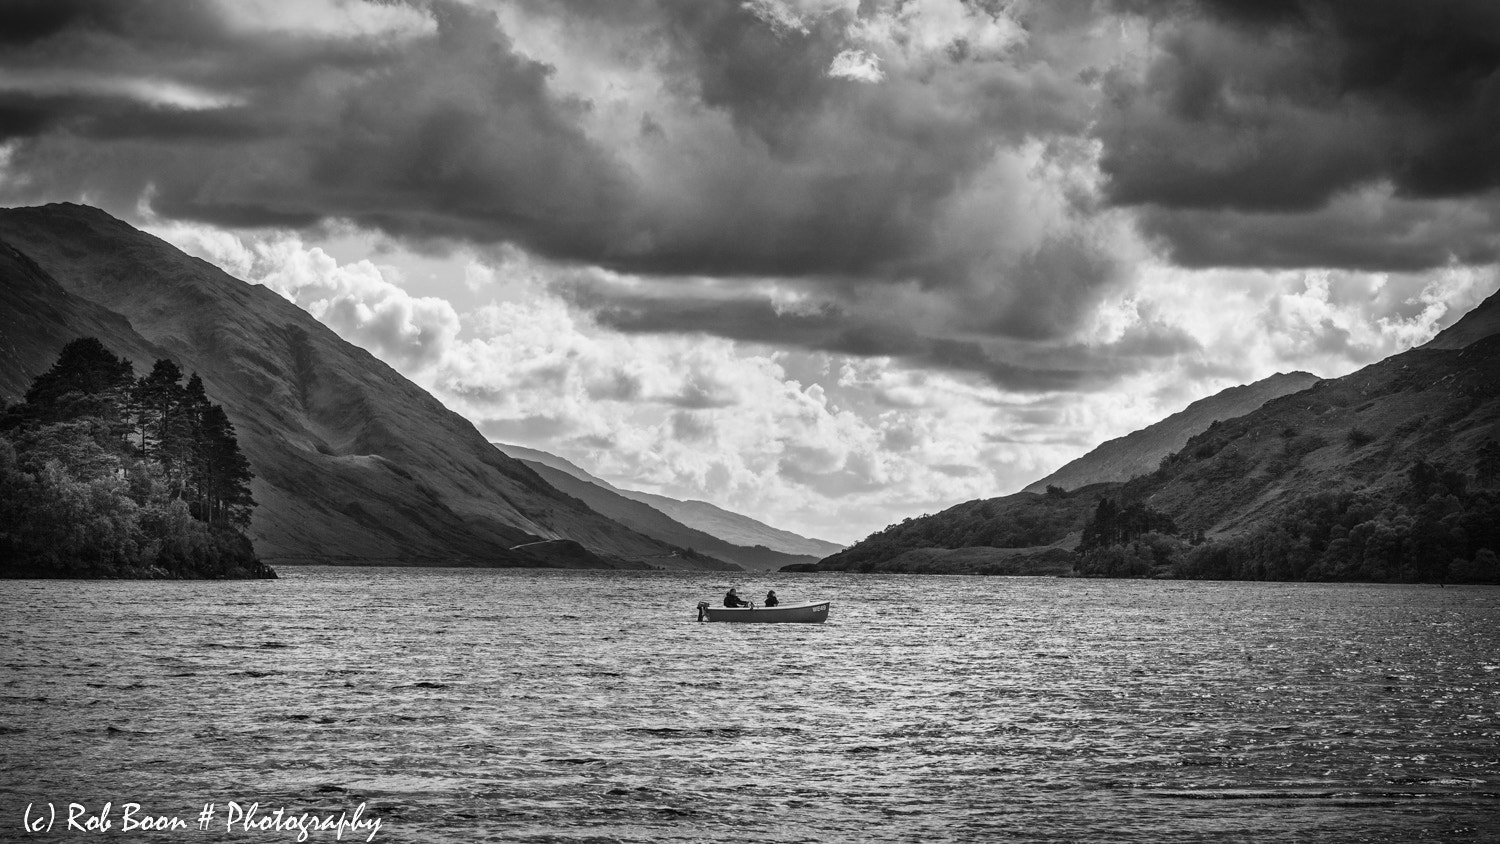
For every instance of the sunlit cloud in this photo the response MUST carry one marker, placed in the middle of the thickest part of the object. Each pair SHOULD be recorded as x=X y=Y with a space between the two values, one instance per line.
x=158 y=92
x=856 y=65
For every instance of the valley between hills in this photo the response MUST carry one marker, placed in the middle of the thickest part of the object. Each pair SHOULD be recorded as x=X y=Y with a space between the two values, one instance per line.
x=1388 y=473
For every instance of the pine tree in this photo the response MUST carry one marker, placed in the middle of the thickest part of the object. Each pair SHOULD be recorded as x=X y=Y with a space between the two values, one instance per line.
x=1487 y=467
x=160 y=398
x=87 y=381
x=228 y=476
x=1100 y=530
x=1115 y=525
x=193 y=455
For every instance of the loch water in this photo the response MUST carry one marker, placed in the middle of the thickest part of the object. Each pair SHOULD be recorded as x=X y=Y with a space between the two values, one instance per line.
x=469 y=705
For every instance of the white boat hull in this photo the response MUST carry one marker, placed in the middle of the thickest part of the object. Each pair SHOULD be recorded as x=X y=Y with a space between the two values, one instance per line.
x=810 y=612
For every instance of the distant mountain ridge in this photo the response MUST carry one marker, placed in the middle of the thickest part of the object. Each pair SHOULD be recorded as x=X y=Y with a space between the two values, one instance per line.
x=1139 y=452
x=1253 y=485
x=354 y=463
x=734 y=528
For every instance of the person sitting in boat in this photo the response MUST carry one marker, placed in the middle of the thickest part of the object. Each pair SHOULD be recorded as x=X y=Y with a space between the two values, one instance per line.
x=732 y=599
x=771 y=598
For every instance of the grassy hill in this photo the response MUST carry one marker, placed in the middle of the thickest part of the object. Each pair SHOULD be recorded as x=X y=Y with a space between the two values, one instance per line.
x=1362 y=432
x=1139 y=453
x=353 y=462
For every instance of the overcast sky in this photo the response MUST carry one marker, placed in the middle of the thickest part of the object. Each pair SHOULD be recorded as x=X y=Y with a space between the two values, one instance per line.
x=826 y=262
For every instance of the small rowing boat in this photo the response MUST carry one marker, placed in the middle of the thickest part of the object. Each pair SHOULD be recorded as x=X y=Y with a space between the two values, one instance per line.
x=809 y=612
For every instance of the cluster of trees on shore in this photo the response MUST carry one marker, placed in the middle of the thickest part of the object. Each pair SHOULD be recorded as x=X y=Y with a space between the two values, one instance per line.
x=1441 y=526
x=1132 y=540
x=103 y=474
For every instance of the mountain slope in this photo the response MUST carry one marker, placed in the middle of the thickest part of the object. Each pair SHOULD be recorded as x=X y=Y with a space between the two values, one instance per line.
x=353 y=462
x=1252 y=478
x=734 y=528
x=37 y=316
x=1473 y=326
x=1363 y=431
x=1139 y=452
x=656 y=524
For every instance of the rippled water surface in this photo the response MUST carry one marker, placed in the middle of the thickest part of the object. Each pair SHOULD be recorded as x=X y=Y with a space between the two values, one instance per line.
x=503 y=705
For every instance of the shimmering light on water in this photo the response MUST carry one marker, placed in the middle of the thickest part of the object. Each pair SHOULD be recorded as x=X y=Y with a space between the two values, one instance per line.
x=503 y=705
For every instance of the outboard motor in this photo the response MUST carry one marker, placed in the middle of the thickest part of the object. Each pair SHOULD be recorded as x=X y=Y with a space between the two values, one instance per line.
x=702 y=610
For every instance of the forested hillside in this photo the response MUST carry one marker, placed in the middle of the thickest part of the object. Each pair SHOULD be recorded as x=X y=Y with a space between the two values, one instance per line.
x=1024 y=520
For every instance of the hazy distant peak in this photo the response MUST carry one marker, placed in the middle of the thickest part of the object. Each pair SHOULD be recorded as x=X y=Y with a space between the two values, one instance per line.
x=729 y=526
x=520 y=452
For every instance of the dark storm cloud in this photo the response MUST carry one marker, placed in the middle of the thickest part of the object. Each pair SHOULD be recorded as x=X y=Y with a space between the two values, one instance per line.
x=43 y=39
x=104 y=118
x=447 y=132
x=833 y=331
x=1263 y=113
x=1386 y=236
x=28 y=20
x=32 y=21
x=827 y=178
x=453 y=133
x=767 y=79
x=751 y=161
x=872 y=331
x=464 y=138
x=835 y=177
